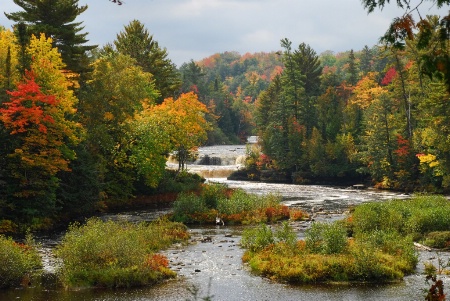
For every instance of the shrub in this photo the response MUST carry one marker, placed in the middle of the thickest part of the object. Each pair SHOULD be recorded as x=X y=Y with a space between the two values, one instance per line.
x=19 y=262
x=186 y=205
x=258 y=238
x=418 y=215
x=438 y=239
x=212 y=193
x=326 y=238
x=233 y=206
x=112 y=254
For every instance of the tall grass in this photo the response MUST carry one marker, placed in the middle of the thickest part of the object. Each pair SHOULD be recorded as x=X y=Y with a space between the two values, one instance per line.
x=19 y=262
x=233 y=206
x=380 y=247
x=416 y=216
x=112 y=254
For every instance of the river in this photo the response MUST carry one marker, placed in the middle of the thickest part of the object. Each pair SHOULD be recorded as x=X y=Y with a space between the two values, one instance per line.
x=215 y=268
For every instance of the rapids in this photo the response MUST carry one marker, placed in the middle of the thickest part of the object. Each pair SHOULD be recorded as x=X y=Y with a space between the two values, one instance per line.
x=215 y=267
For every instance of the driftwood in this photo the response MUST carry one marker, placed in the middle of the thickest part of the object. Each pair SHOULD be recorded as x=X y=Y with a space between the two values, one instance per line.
x=421 y=247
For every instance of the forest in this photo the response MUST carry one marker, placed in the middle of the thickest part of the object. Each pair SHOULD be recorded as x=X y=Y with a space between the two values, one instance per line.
x=83 y=126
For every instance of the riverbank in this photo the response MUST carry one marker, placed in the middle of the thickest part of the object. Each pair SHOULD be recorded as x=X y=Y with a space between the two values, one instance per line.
x=283 y=177
x=219 y=259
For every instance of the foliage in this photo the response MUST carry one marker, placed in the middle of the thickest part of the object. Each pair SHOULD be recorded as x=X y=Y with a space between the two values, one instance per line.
x=259 y=238
x=232 y=206
x=419 y=215
x=380 y=247
x=38 y=116
x=108 y=110
x=57 y=22
x=21 y=261
x=229 y=84
x=438 y=239
x=136 y=42
x=112 y=254
x=183 y=123
x=326 y=238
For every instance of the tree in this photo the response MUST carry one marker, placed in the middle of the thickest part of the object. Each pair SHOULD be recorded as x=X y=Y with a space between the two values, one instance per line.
x=136 y=42
x=42 y=135
x=56 y=19
x=9 y=60
x=352 y=69
x=33 y=117
x=108 y=109
x=366 y=61
x=183 y=121
x=435 y=63
x=308 y=63
x=193 y=79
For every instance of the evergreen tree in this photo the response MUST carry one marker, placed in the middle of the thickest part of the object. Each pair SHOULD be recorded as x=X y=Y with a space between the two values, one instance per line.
x=56 y=19
x=193 y=79
x=352 y=69
x=136 y=42
x=309 y=65
x=366 y=60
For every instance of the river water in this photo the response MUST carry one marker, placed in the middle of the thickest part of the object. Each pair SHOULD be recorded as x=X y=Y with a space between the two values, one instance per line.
x=215 y=267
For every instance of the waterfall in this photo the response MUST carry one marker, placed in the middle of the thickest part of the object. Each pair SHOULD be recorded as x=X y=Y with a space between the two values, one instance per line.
x=217 y=161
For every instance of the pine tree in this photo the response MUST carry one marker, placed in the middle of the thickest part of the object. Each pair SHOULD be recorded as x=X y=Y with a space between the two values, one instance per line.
x=56 y=19
x=136 y=42
x=366 y=60
x=352 y=69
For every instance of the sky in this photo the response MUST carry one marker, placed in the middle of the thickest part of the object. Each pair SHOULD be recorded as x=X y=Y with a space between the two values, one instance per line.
x=195 y=29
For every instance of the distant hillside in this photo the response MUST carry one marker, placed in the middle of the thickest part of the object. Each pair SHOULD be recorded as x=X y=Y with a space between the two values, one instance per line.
x=229 y=84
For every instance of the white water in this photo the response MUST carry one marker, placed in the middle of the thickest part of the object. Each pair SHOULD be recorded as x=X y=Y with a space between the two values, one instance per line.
x=223 y=160
x=218 y=263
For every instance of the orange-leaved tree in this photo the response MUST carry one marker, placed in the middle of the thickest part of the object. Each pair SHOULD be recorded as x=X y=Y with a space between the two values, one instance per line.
x=39 y=152
x=183 y=121
x=38 y=118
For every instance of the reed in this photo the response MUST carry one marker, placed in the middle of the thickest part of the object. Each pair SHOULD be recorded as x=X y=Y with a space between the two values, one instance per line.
x=112 y=254
x=20 y=262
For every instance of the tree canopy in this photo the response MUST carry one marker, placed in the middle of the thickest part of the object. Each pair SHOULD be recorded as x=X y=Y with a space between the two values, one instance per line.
x=57 y=20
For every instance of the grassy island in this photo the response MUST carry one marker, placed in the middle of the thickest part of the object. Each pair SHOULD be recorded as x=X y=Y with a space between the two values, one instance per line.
x=374 y=244
x=232 y=206
x=111 y=254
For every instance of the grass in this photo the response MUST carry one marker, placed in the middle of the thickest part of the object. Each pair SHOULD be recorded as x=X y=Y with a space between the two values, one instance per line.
x=374 y=244
x=20 y=262
x=232 y=206
x=111 y=254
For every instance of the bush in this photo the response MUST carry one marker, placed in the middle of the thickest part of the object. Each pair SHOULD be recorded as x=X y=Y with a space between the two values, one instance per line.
x=111 y=254
x=256 y=239
x=233 y=206
x=438 y=239
x=418 y=216
x=186 y=205
x=20 y=262
x=326 y=238
x=212 y=193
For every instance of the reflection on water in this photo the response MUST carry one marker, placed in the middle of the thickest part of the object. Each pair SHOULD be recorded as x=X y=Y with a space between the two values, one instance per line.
x=216 y=266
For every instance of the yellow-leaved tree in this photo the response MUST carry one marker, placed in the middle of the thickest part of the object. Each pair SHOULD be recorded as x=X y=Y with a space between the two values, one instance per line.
x=179 y=125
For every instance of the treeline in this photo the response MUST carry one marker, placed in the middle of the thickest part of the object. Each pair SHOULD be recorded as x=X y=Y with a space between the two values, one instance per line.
x=228 y=84
x=374 y=114
x=82 y=127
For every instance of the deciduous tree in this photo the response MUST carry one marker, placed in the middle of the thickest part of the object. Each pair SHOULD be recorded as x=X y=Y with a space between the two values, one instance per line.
x=56 y=18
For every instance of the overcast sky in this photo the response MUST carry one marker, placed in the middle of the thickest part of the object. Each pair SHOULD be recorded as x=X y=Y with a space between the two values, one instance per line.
x=194 y=29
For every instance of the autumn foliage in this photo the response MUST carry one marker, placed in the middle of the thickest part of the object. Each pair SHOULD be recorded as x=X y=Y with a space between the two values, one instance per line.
x=29 y=115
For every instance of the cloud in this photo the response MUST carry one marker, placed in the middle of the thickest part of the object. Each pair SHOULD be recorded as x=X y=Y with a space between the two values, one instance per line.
x=193 y=29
